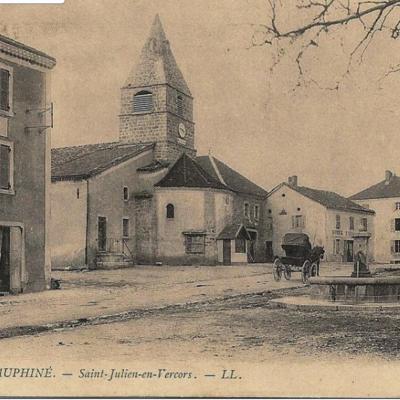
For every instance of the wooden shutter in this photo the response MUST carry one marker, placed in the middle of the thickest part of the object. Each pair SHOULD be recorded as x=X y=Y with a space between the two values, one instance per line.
x=4 y=90
x=392 y=246
x=392 y=225
x=293 y=221
x=5 y=167
x=303 y=221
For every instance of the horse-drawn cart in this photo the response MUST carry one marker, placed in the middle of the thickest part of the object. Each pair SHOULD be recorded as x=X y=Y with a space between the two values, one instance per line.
x=300 y=257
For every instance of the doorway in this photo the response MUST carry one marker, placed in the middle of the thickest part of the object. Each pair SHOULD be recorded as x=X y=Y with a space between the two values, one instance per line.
x=349 y=250
x=251 y=253
x=226 y=252
x=5 y=256
x=269 y=253
x=102 y=233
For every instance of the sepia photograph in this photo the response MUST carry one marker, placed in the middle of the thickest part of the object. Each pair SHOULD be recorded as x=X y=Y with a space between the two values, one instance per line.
x=199 y=198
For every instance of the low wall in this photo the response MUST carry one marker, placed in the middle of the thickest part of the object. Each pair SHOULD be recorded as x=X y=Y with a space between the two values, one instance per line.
x=356 y=290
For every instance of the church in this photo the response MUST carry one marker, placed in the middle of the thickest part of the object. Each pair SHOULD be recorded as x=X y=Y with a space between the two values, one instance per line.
x=148 y=198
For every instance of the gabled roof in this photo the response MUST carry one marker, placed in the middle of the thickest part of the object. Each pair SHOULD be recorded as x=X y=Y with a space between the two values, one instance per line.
x=157 y=64
x=381 y=190
x=229 y=177
x=234 y=231
x=326 y=198
x=186 y=172
x=82 y=162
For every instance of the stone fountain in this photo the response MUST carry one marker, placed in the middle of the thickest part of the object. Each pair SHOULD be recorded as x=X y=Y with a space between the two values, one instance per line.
x=361 y=290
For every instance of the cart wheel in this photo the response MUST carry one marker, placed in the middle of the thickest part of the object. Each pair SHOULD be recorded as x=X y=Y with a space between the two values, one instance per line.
x=305 y=271
x=314 y=270
x=277 y=269
x=287 y=272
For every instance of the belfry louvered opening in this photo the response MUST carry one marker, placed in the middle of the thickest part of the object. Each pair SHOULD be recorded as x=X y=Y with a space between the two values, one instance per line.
x=143 y=102
x=179 y=103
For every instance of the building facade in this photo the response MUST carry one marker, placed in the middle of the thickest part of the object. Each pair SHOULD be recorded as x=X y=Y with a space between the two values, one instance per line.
x=384 y=199
x=329 y=220
x=148 y=198
x=25 y=129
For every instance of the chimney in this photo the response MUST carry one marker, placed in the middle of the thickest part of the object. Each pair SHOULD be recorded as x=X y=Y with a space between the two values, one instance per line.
x=388 y=176
x=292 y=180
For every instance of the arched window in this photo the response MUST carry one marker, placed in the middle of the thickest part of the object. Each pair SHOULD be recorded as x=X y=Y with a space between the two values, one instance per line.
x=143 y=102
x=179 y=105
x=170 y=211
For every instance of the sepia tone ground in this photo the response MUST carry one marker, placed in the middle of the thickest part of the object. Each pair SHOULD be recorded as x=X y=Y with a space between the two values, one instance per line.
x=274 y=352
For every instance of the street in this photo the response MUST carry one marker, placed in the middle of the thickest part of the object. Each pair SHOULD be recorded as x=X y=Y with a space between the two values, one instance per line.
x=265 y=349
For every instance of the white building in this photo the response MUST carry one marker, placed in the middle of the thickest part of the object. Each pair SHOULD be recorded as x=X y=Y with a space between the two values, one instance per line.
x=329 y=219
x=384 y=199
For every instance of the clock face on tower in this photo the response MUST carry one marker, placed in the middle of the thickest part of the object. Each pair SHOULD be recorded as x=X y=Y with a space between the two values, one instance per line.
x=182 y=130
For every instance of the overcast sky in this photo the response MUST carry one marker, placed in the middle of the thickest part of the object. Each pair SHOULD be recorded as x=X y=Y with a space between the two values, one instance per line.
x=249 y=118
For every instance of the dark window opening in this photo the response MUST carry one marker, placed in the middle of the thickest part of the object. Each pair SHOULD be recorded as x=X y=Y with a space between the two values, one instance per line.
x=170 y=211
x=77 y=193
x=240 y=245
x=126 y=193
x=4 y=90
x=397 y=224
x=5 y=178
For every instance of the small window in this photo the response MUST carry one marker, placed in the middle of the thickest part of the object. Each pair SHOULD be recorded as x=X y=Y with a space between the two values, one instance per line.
x=256 y=212
x=363 y=225
x=143 y=102
x=240 y=246
x=77 y=193
x=6 y=167
x=351 y=223
x=126 y=193
x=125 y=227
x=397 y=224
x=195 y=244
x=337 y=221
x=397 y=205
x=170 y=211
x=247 y=210
x=179 y=105
x=298 y=221
x=5 y=89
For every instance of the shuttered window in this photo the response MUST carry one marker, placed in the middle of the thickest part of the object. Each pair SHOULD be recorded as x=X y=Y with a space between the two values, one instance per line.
x=4 y=89
x=5 y=159
x=143 y=102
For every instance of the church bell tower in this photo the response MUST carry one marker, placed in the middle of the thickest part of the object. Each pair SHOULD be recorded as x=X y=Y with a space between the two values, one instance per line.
x=156 y=103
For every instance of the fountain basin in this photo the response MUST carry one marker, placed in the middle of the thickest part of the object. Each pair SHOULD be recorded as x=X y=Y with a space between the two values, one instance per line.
x=348 y=290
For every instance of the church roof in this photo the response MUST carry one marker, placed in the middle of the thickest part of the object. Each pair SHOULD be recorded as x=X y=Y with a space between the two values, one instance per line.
x=382 y=190
x=229 y=177
x=82 y=162
x=157 y=64
x=186 y=172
